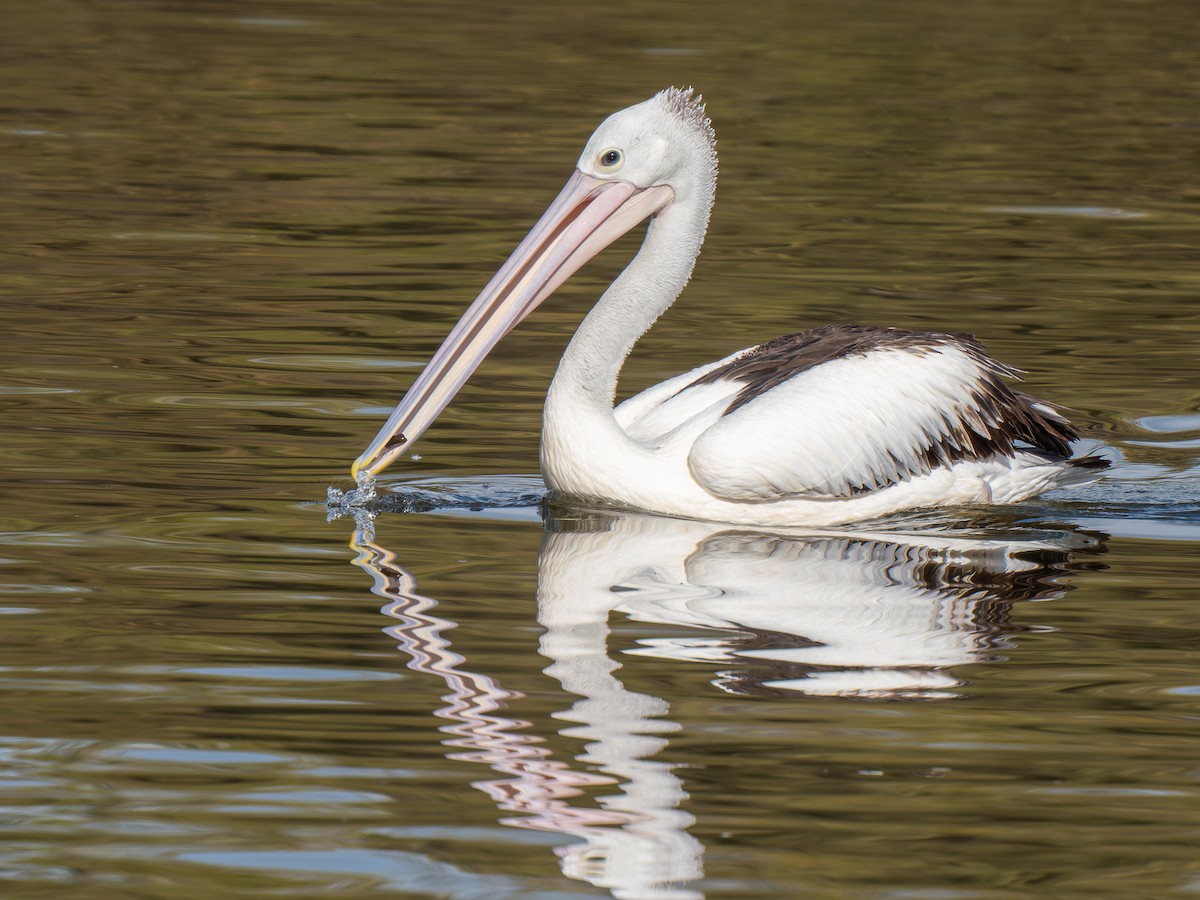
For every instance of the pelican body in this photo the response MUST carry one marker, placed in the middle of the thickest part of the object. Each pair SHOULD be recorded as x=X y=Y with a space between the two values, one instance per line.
x=832 y=425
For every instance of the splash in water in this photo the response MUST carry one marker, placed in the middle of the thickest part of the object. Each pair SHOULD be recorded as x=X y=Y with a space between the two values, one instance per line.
x=362 y=495
x=357 y=503
x=519 y=494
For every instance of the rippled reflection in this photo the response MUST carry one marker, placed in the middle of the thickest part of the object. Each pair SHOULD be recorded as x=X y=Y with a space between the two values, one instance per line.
x=882 y=616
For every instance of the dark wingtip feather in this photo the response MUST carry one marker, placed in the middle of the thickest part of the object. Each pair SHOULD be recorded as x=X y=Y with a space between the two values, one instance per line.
x=1090 y=462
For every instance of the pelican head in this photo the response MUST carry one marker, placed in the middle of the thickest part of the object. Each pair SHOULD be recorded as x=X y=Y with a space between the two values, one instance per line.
x=666 y=140
x=639 y=163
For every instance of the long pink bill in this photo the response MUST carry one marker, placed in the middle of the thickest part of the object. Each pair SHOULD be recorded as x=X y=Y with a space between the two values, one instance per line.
x=587 y=216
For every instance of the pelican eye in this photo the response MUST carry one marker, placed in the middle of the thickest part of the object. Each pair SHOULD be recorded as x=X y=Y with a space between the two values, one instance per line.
x=610 y=160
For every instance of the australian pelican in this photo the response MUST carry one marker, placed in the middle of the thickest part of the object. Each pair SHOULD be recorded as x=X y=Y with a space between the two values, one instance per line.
x=836 y=424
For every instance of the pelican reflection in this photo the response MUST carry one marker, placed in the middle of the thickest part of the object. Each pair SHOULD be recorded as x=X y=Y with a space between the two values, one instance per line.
x=835 y=614
x=825 y=613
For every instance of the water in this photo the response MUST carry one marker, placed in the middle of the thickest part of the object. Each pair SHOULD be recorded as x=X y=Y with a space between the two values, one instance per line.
x=234 y=233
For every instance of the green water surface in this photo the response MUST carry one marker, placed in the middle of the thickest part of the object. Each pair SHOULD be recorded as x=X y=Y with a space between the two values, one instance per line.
x=233 y=233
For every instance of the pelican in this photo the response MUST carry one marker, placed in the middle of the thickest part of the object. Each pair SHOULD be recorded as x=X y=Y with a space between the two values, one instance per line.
x=836 y=424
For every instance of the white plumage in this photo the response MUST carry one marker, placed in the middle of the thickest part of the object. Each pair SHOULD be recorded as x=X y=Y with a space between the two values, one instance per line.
x=850 y=422
x=837 y=424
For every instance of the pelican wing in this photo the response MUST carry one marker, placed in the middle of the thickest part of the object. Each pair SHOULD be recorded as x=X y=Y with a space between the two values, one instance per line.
x=880 y=407
x=672 y=401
